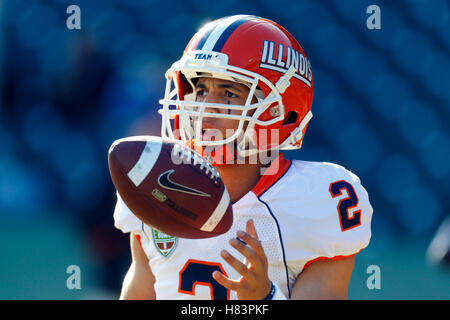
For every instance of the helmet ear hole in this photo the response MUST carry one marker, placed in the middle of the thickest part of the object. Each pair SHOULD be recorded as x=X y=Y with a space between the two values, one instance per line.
x=291 y=117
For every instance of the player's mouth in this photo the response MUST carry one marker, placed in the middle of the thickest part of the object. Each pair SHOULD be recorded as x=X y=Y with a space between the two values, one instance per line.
x=210 y=133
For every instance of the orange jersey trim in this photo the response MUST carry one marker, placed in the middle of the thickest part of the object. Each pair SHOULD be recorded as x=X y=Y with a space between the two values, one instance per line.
x=138 y=238
x=329 y=258
x=281 y=165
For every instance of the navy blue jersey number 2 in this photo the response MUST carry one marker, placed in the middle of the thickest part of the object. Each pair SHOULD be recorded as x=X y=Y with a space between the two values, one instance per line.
x=197 y=272
x=346 y=204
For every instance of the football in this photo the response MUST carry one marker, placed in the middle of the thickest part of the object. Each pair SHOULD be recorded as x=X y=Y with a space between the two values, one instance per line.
x=170 y=187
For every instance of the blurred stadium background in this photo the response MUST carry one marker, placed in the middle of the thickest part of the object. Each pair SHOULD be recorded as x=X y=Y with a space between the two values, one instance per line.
x=381 y=109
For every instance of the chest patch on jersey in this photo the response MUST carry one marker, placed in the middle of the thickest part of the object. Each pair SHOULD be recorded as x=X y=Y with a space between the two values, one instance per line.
x=164 y=243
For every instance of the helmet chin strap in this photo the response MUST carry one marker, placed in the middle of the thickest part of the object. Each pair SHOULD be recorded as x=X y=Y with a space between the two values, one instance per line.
x=292 y=142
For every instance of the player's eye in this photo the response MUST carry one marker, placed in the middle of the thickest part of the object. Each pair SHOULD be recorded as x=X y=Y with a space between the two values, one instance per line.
x=200 y=93
x=230 y=94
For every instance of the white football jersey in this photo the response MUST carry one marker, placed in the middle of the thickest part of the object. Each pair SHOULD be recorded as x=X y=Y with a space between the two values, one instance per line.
x=304 y=212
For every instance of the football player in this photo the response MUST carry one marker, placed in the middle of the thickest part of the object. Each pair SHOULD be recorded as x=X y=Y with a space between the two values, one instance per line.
x=242 y=89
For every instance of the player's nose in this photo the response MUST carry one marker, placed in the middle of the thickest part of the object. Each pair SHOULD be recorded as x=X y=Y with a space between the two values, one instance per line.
x=212 y=98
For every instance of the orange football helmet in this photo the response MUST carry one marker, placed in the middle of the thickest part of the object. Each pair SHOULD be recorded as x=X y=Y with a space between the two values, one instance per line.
x=253 y=51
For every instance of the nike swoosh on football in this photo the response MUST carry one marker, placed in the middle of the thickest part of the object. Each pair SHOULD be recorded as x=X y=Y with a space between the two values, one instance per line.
x=165 y=182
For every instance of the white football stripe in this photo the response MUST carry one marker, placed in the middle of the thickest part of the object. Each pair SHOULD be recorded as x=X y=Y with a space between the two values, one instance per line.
x=218 y=213
x=146 y=162
x=217 y=32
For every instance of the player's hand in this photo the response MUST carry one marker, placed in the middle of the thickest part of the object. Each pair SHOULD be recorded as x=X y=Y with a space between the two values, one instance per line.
x=254 y=283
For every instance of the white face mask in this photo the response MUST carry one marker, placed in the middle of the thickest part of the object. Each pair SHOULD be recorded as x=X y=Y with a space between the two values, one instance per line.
x=191 y=113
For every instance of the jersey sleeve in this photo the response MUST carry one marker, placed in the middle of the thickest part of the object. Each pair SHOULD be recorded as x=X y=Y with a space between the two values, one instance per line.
x=342 y=225
x=124 y=219
x=323 y=212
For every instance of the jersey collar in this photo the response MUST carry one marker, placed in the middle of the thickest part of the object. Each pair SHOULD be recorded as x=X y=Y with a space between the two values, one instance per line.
x=274 y=172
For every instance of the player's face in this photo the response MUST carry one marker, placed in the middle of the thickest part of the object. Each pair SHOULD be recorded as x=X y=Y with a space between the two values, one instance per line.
x=212 y=90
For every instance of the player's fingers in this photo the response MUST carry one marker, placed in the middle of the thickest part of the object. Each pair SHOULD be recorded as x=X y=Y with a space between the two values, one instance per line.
x=250 y=228
x=236 y=264
x=253 y=242
x=251 y=257
x=225 y=281
x=247 y=263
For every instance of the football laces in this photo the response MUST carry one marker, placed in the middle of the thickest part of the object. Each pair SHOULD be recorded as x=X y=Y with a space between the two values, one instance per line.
x=187 y=154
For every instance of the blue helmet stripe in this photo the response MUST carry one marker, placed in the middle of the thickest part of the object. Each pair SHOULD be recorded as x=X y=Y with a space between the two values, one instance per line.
x=216 y=33
x=205 y=36
x=228 y=31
